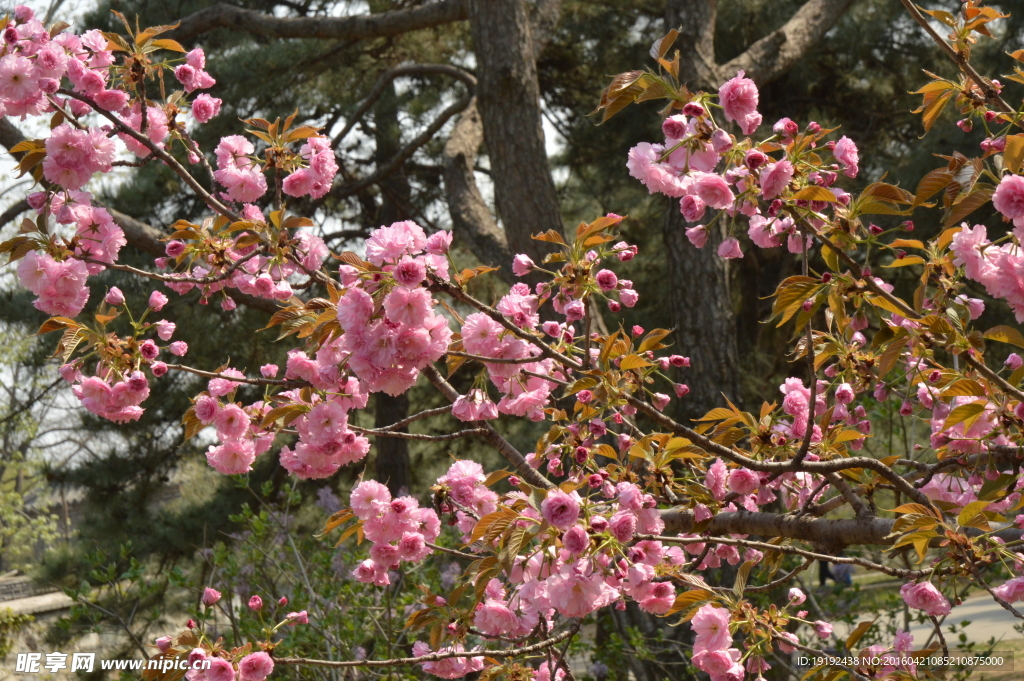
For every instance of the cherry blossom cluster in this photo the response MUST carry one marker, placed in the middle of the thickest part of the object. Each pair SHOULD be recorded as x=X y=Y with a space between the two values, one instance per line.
x=687 y=166
x=399 y=529
x=387 y=313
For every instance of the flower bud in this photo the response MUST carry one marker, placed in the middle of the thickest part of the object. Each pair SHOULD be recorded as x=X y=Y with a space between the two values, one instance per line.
x=163 y=643
x=693 y=109
x=255 y=603
x=210 y=596
x=114 y=296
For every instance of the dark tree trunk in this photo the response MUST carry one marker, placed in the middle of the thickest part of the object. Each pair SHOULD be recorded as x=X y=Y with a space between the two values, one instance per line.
x=509 y=99
x=702 y=313
x=393 y=467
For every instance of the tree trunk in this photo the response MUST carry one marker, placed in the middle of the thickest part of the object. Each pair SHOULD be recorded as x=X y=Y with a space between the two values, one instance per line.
x=509 y=99
x=393 y=466
x=702 y=314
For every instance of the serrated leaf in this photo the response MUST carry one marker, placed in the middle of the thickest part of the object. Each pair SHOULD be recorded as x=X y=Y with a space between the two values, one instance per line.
x=965 y=387
x=903 y=262
x=1005 y=334
x=551 y=236
x=965 y=413
x=970 y=511
x=976 y=199
x=814 y=193
x=857 y=634
x=630 y=362
x=690 y=599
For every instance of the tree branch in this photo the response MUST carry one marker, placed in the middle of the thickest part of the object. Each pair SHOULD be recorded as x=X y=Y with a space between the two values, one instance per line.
x=434 y=657
x=360 y=27
x=504 y=447
x=472 y=222
x=780 y=50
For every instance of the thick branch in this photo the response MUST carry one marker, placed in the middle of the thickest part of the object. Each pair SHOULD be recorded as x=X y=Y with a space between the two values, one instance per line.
x=780 y=50
x=434 y=657
x=831 y=534
x=472 y=222
x=361 y=27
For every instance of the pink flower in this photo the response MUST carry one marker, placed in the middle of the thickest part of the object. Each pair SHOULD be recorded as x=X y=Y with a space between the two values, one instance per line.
x=255 y=603
x=713 y=190
x=114 y=296
x=730 y=248
x=629 y=297
x=255 y=667
x=409 y=306
x=178 y=348
x=1014 y=361
x=844 y=393
x=717 y=478
x=577 y=591
x=301 y=617
x=438 y=243
x=924 y=596
x=269 y=370
x=846 y=153
x=560 y=509
x=576 y=540
x=711 y=625
x=158 y=369
x=606 y=280
x=205 y=107
x=656 y=597
x=1012 y=590
x=721 y=665
x=157 y=301
x=796 y=596
x=210 y=596
x=220 y=670
x=692 y=207
x=232 y=422
x=775 y=177
x=698 y=235
x=743 y=481
x=738 y=97
x=368 y=498
x=233 y=457
x=165 y=329
x=822 y=629
x=622 y=526
x=493 y=618
x=409 y=272
x=1009 y=197
x=149 y=349
x=522 y=265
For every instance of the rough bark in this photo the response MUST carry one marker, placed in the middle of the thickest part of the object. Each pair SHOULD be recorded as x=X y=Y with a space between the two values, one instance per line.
x=509 y=100
x=472 y=223
x=360 y=27
x=695 y=21
x=392 y=461
x=780 y=50
x=701 y=309
x=764 y=60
